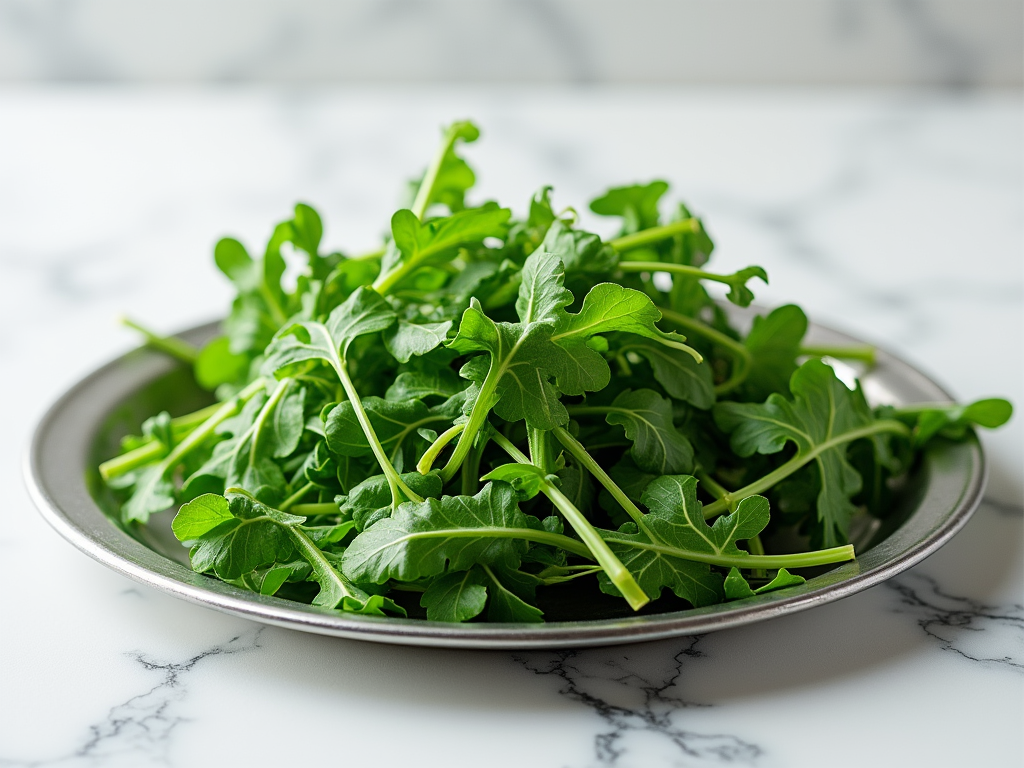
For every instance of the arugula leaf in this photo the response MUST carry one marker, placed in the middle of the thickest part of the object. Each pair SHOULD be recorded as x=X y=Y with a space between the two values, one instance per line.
x=422 y=243
x=774 y=345
x=406 y=339
x=952 y=421
x=457 y=596
x=821 y=421
x=637 y=205
x=420 y=540
x=736 y=587
x=449 y=176
x=682 y=377
x=646 y=417
x=247 y=536
x=507 y=591
x=676 y=522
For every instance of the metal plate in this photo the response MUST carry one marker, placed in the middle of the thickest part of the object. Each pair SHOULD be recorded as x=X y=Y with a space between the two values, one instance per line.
x=62 y=479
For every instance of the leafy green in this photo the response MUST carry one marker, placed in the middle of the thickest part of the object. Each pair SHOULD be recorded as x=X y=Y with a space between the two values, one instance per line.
x=473 y=337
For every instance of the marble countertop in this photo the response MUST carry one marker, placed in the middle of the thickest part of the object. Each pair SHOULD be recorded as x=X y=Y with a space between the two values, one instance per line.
x=894 y=216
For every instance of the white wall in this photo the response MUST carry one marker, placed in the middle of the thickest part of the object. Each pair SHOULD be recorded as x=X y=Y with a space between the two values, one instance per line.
x=957 y=43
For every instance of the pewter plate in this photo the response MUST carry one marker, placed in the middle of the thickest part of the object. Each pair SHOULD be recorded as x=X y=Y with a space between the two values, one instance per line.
x=83 y=427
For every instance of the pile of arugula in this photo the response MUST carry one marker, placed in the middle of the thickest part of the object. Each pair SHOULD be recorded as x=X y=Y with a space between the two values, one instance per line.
x=489 y=405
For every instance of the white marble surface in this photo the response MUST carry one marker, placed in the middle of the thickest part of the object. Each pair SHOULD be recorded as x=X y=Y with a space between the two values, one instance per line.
x=895 y=216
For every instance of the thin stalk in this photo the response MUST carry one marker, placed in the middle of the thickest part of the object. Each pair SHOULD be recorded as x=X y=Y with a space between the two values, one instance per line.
x=540 y=448
x=150 y=451
x=471 y=470
x=712 y=486
x=313 y=510
x=291 y=500
x=426 y=188
x=170 y=345
x=578 y=452
x=426 y=461
x=654 y=235
x=320 y=564
x=617 y=572
x=395 y=482
x=477 y=418
x=762 y=484
x=675 y=269
x=264 y=414
x=742 y=359
x=197 y=436
x=865 y=354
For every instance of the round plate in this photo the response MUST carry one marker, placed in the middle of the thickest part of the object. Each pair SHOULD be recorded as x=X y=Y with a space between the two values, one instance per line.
x=83 y=427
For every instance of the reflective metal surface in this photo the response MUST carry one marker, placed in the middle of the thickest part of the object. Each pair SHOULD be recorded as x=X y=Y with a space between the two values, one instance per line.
x=70 y=440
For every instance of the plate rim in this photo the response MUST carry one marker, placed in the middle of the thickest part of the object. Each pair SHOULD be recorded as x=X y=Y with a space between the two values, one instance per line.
x=130 y=557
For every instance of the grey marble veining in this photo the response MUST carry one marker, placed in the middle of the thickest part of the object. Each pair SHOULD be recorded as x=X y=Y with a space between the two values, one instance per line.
x=895 y=217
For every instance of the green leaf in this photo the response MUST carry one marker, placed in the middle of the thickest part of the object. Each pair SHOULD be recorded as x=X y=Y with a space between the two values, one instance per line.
x=395 y=424
x=152 y=493
x=453 y=533
x=647 y=419
x=952 y=421
x=217 y=364
x=520 y=356
x=737 y=588
x=774 y=345
x=676 y=526
x=682 y=377
x=365 y=311
x=435 y=241
x=542 y=296
x=255 y=535
x=636 y=204
x=580 y=252
x=526 y=479
x=416 y=385
x=505 y=605
x=370 y=500
x=406 y=339
x=817 y=421
x=455 y=596
x=606 y=308
x=200 y=516
x=454 y=176
x=286 y=424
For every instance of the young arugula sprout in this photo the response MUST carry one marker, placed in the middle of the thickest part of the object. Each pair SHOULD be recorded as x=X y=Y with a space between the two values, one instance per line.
x=358 y=455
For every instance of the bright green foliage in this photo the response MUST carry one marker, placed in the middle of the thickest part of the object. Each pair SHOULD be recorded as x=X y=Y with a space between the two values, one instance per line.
x=492 y=410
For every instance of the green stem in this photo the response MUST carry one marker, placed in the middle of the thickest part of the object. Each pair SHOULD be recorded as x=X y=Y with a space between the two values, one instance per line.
x=395 y=482
x=471 y=469
x=762 y=484
x=865 y=353
x=426 y=461
x=321 y=566
x=170 y=345
x=426 y=188
x=313 y=510
x=750 y=562
x=291 y=500
x=477 y=418
x=540 y=448
x=675 y=269
x=196 y=437
x=654 y=235
x=712 y=486
x=151 y=451
x=264 y=414
x=617 y=572
x=743 y=360
x=578 y=452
